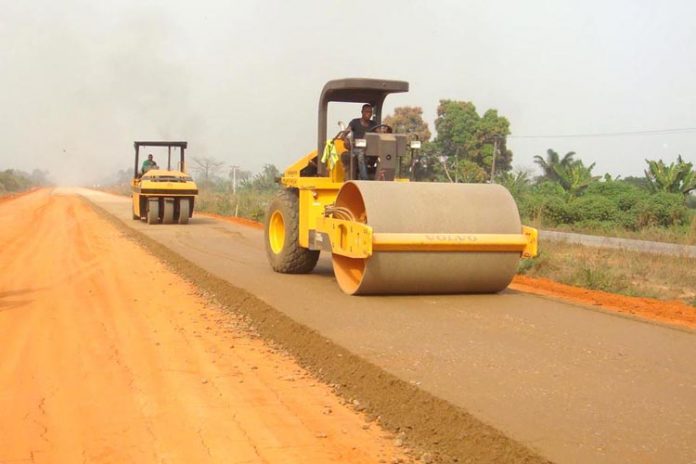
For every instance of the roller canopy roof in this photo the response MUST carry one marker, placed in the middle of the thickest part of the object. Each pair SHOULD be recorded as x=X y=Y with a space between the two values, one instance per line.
x=359 y=90
x=181 y=145
x=354 y=90
x=160 y=144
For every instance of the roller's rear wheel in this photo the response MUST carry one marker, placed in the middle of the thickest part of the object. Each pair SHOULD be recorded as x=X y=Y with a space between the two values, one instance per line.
x=281 y=235
x=153 y=211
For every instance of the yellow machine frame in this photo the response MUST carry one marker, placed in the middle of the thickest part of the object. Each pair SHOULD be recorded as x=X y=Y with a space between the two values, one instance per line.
x=357 y=240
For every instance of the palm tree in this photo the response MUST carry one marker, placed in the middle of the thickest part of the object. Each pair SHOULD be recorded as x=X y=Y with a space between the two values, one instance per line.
x=553 y=160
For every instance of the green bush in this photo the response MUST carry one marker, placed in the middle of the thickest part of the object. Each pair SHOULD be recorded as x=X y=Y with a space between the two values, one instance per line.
x=592 y=208
x=605 y=207
x=224 y=204
x=600 y=227
x=623 y=194
x=545 y=202
x=628 y=200
x=548 y=188
x=612 y=188
x=538 y=263
x=252 y=204
x=14 y=181
x=551 y=210
x=598 y=278
x=661 y=209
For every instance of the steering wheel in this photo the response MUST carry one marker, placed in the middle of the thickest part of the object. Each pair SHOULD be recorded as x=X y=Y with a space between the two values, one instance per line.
x=379 y=126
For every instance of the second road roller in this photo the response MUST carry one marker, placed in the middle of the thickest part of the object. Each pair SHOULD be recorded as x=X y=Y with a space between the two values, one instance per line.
x=161 y=195
x=387 y=235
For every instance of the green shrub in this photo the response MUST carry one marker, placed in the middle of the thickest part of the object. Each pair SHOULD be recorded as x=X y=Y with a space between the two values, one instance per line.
x=592 y=208
x=224 y=204
x=548 y=188
x=623 y=195
x=661 y=209
x=14 y=181
x=628 y=200
x=600 y=227
x=550 y=210
x=539 y=262
x=612 y=188
x=598 y=278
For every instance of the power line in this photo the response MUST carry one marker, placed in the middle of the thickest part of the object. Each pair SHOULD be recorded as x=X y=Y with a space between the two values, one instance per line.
x=684 y=130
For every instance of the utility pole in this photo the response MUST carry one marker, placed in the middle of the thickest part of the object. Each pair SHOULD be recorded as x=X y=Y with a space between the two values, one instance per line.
x=234 y=179
x=456 y=166
x=234 y=189
x=443 y=160
x=495 y=152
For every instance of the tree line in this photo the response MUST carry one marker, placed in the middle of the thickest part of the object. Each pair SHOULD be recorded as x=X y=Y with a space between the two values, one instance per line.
x=13 y=180
x=470 y=147
x=568 y=193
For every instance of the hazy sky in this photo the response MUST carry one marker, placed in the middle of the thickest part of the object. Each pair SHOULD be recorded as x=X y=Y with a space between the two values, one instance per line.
x=240 y=80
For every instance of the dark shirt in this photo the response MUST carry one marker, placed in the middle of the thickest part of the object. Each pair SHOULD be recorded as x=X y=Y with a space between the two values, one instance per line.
x=358 y=129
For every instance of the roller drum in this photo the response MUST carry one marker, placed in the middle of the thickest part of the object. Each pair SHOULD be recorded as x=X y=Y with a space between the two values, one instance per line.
x=429 y=208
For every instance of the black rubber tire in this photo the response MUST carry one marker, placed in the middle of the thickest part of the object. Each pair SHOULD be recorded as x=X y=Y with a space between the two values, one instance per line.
x=184 y=210
x=153 y=211
x=168 y=211
x=292 y=258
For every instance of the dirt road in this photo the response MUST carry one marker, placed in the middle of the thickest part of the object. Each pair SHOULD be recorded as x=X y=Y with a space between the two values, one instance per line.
x=108 y=357
x=572 y=383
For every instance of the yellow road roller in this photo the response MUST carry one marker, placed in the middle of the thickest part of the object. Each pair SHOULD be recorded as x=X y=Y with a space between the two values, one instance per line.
x=161 y=195
x=387 y=235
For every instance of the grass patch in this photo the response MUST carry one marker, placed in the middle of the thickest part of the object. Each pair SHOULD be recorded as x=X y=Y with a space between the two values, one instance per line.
x=249 y=205
x=616 y=271
x=681 y=235
x=596 y=278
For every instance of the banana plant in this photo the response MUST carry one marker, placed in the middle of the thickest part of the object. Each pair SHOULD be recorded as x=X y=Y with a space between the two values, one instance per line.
x=575 y=177
x=676 y=177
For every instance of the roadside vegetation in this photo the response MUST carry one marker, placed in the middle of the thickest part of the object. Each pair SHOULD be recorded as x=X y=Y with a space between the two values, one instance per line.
x=623 y=272
x=240 y=194
x=15 y=181
x=568 y=197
